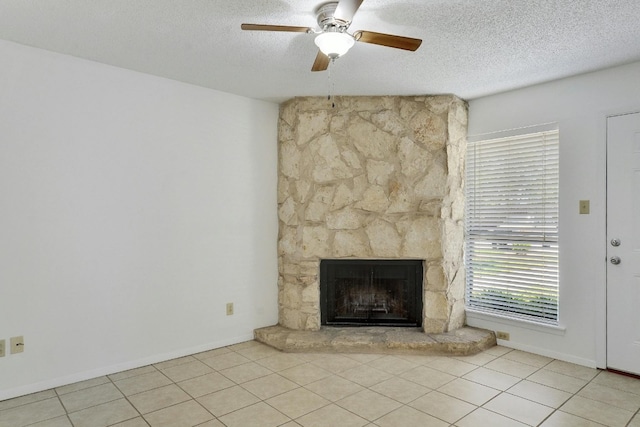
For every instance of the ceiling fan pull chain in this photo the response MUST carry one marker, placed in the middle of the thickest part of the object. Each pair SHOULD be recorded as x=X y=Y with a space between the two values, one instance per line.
x=330 y=84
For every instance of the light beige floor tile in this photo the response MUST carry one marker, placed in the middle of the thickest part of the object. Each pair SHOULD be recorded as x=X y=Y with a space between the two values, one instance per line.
x=474 y=393
x=132 y=373
x=228 y=400
x=226 y=360
x=331 y=416
x=311 y=357
x=365 y=375
x=498 y=350
x=444 y=407
x=62 y=421
x=245 y=344
x=280 y=361
x=206 y=384
x=557 y=380
x=297 y=403
x=519 y=409
x=392 y=380
x=528 y=358
x=174 y=362
x=211 y=423
x=492 y=378
x=158 y=398
x=211 y=353
x=136 y=422
x=247 y=372
x=409 y=417
x=187 y=414
x=479 y=359
x=511 y=367
x=305 y=374
x=269 y=386
x=451 y=366
x=483 y=418
x=29 y=398
x=363 y=358
x=140 y=383
x=635 y=422
x=618 y=381
x=597 y=411
x=417 y=359
x=392 y=364
x=572 y=370
x=92 y=396
x=427 y=377
x=611 y=396
x=334 y=388
x=563 y=419
x=540 y=393
x=81 y=385
x=187 y=371
x=335 y=363
x=258 y=415
x=31 y=413
x=400 y=389
x=368 y=404
x=258 y=352
x=104 y=415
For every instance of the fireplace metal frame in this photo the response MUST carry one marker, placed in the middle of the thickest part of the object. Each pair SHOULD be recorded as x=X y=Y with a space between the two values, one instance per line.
x=332 y=270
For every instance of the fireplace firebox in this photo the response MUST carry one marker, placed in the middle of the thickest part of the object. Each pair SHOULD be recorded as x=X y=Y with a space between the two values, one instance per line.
x=371 y=292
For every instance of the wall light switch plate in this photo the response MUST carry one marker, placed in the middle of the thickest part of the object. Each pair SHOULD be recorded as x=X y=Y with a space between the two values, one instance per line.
x=229 y=309
x=584 y=207
x=3 y=343
x=17 y=345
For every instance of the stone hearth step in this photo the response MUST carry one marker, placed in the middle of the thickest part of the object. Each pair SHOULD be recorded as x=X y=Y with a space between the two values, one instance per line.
x=388 y=340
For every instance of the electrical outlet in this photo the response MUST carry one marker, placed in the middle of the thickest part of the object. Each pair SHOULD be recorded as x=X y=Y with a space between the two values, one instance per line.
x=229 y=308
x=502 y=335
x=584 y=207
x=3 y=343
x=17 y=345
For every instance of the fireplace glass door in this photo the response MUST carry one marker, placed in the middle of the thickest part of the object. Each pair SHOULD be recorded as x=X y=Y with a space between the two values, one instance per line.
x=371 y=292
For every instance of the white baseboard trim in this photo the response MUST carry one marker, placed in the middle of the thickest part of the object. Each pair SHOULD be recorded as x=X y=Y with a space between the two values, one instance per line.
x=108 y=370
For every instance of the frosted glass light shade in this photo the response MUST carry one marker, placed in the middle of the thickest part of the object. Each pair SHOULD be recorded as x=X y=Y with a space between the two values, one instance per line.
x=334 y=44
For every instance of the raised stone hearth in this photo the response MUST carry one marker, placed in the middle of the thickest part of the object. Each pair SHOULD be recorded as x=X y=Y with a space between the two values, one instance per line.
x=464 y=341
x=372 y=178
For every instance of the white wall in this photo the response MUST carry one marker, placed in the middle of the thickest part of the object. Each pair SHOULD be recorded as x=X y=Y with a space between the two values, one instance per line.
x=132 y=209
x=580 y=106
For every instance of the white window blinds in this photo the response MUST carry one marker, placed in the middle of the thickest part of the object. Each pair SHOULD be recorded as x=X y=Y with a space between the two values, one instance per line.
x=512 y=226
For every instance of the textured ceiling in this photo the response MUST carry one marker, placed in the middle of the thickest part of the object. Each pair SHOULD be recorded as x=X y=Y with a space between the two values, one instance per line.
x=470 y=47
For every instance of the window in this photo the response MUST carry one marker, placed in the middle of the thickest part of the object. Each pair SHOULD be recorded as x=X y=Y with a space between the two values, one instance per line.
x=511 y=224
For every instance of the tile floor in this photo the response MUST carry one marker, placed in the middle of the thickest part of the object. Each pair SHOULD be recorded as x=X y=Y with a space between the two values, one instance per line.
x=250 y=384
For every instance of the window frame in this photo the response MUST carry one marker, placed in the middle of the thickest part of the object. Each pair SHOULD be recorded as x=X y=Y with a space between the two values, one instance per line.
x=513 y=284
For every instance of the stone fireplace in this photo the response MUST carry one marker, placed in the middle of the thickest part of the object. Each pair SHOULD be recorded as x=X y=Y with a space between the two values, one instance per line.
x=372 y=178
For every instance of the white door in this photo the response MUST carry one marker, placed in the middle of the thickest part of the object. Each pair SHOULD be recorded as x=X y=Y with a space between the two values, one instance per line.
x=623 y=243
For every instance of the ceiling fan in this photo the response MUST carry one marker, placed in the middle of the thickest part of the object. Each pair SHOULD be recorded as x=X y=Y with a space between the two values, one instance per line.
x=332 y=39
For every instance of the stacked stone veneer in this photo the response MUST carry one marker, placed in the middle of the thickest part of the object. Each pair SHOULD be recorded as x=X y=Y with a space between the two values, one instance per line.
x=372 y=177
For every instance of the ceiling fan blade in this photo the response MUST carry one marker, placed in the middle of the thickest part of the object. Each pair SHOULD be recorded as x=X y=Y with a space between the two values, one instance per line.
x=390 y=40
x=321 y=63
x=346 y=9
x=261 y=27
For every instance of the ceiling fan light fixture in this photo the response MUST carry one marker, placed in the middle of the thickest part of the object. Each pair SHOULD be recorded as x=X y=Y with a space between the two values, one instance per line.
x=334 y=43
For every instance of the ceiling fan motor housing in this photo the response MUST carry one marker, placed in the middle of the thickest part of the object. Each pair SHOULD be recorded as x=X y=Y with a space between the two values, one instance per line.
x=326 y=18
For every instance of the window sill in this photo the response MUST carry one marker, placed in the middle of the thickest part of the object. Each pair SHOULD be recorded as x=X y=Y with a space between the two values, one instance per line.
x=520 y=323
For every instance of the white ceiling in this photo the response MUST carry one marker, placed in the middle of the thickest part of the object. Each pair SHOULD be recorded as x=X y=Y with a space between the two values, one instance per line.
x=470 y=47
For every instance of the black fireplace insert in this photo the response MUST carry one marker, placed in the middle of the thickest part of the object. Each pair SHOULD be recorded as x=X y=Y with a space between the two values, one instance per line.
x=371 y=292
